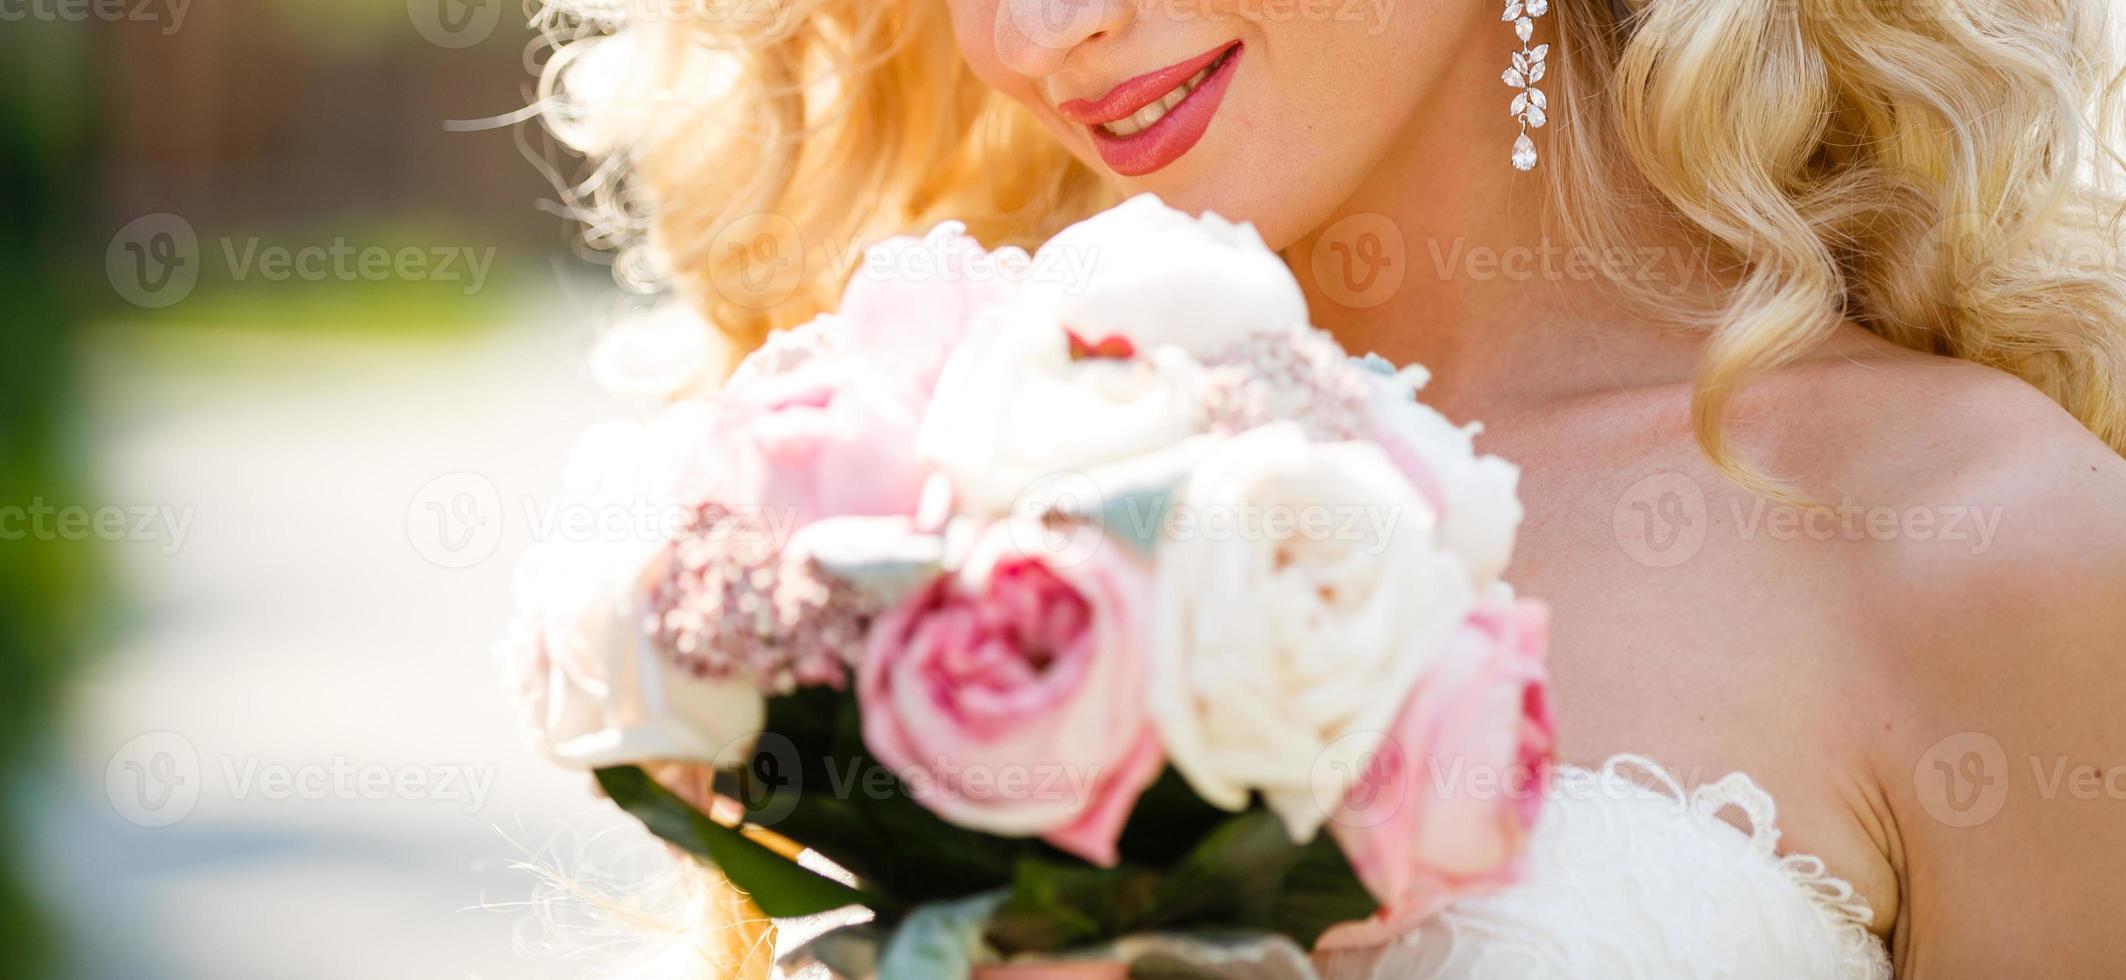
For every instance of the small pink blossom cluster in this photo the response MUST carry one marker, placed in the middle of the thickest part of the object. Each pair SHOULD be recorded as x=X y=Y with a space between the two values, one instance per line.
x=730 y=603
x=1303 y=377
x=916 y=499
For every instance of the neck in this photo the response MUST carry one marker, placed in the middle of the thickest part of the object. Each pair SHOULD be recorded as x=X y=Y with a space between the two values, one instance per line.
x=1491 y=299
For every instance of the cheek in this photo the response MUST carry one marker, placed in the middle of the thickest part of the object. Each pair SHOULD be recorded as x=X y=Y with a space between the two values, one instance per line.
x=1336 y=98
x=1350 y=76
x=974 y=29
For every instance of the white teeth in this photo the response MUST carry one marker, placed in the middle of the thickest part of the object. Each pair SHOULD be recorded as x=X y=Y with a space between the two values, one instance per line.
x=1144 y=118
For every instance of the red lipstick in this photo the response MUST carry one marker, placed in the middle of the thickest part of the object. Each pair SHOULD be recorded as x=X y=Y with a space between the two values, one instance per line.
x=1154 y=146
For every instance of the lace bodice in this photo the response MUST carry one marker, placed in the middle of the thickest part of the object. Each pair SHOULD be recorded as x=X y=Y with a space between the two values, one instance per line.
x=1632 y=876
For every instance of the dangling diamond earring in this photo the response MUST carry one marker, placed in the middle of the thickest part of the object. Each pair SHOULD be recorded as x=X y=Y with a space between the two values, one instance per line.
x=1530 y=106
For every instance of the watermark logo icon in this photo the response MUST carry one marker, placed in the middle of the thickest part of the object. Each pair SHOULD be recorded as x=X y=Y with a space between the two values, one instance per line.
x=757 y=261
x=770 y=782
x=1661 y=520
x=1057 y=516
x=153 y=780
x=455 y=520
x=1360 y=261
x=153 y=261
x=1962 y=780
x=1339 y=785
x=454 y=24
x=1053 y=24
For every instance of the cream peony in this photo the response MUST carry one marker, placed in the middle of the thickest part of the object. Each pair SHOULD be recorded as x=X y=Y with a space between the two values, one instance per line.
x=1301 y=594
x=1014 y=407
x=1477 y=496
x=592 y=688
x=1156 y=276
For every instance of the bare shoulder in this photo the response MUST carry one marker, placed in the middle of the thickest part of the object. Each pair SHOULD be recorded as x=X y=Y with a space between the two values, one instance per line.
x=1993 y=679
x=1983 y=566
x=1959 y=502
x=2005 y=518
x=1993 y=596
x=1970 y=577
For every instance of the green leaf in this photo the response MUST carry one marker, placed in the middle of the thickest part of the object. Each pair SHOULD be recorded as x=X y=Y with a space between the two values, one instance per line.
x=1137 y=517
x=881 y=556
x=1232 y=877
x=811 y=779
x=1058 y=905
x=1169 y=819
x=780 y=887
x=1248 y=874
x=1321 y=891
x=929 y=858
x=850 y=951
x=939 y=941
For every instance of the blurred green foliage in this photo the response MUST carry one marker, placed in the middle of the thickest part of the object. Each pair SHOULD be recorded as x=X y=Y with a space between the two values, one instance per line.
x=46 y=586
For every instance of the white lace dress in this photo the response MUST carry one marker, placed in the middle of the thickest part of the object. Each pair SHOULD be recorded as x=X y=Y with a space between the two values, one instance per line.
x=1631 y=876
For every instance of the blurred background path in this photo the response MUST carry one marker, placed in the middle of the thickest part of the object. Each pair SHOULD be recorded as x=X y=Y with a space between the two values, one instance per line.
x=299 y=626
x=311 y=351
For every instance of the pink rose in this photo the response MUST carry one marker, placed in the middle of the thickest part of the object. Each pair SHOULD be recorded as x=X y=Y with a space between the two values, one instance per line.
x=1010 y=695
x=914 y=299
x=1446 y=806
x=827 y=438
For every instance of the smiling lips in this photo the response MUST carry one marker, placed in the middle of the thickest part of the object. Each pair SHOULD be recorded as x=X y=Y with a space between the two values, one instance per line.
x=1149 y=121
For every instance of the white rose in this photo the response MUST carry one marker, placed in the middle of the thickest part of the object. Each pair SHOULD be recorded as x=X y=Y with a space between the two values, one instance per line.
x=593 y=689
x=1478 y=495
x=1301 y=594
x=1013 y=407
x=1156 y=276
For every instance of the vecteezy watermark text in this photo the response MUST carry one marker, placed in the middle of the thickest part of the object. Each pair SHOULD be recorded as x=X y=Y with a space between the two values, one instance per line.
x=342 y=261
x=42 y=521
x=156 y=259
x=456 y=520
x=156 y=779
x=1663 y=519
x=169 y=13
x=773 y=780
x=1964 y=779
x=1849 y=522
x=250 y=777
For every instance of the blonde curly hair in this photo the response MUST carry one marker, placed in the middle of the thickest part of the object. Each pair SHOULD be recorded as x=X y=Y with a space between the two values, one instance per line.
x=1941 y=172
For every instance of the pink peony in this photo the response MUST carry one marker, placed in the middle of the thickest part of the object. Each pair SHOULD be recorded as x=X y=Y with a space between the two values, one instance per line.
x=823 y=418
x=914 y=299
x=827 y=438
x=1010 y=696
x=1446 y=806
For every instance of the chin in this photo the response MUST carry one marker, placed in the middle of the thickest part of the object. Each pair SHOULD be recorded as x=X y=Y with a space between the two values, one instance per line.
x=1280 y=218
x=1284 y=197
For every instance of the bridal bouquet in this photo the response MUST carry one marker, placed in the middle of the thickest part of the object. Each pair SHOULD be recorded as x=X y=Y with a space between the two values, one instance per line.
x=1062 y=600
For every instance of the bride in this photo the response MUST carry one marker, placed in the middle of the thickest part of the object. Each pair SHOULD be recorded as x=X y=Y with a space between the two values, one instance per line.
x=1805 y=319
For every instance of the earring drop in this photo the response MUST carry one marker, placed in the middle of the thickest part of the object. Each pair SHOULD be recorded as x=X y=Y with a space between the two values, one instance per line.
x=1530 y=106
